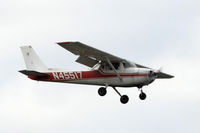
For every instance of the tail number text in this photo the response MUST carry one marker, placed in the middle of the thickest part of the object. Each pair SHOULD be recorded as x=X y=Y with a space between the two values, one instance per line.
x=67 y=75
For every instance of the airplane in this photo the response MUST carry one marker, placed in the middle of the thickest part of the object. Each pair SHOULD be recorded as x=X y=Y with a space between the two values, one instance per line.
x=106 y=70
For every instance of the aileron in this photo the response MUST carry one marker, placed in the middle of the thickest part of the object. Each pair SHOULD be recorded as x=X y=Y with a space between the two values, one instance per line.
x=87 y=61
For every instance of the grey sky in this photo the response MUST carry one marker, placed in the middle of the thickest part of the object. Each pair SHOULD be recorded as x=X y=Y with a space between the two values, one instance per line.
x=151 y=32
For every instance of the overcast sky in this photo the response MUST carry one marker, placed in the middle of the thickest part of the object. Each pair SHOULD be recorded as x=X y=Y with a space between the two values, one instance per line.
x=155 y=33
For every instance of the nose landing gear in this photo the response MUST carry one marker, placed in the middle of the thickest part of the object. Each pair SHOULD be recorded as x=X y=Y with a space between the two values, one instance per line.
x=142 y=95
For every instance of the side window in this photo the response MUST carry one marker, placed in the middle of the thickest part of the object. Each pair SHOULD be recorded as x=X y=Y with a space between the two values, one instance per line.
x=116 y=65
x=126 y=65
x=107 y=67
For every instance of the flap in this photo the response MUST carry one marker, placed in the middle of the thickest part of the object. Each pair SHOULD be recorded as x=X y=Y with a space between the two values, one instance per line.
x=86 y=61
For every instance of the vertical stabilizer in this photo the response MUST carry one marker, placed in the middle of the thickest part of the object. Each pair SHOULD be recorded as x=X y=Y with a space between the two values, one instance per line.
x=32 y=60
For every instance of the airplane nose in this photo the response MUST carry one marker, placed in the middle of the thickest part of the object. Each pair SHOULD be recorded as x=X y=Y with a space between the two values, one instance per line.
x=158 y=75
x=152 y=74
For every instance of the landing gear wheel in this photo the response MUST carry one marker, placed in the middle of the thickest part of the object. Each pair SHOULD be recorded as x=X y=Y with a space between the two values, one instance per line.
x=124 y=99
x=102 y=91
x=142 y=96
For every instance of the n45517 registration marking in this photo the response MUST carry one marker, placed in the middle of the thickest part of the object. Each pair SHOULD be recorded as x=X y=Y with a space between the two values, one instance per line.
x=67 y=75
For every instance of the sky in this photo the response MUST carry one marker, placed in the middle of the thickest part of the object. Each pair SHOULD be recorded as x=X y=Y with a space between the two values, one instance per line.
x=155 y=33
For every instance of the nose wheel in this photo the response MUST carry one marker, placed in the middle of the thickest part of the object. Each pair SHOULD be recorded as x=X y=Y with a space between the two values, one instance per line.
x=142 y=95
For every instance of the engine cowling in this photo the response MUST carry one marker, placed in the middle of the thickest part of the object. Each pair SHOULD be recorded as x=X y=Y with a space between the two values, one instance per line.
x=153 y=74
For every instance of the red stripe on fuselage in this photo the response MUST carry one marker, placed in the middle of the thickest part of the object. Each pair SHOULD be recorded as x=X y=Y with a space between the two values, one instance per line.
x=99 y=74
x=93 y=75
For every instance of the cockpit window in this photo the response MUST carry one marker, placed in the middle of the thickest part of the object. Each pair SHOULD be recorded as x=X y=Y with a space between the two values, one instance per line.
x=107 y=66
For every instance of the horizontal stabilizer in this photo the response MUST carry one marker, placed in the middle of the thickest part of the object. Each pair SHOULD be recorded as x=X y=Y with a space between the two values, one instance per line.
x=33 y=73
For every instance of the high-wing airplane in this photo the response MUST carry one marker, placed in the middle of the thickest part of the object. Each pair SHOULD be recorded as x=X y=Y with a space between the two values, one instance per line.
x=107 y=70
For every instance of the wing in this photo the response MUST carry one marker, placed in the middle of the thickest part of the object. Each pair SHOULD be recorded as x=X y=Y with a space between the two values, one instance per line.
x=88 y=56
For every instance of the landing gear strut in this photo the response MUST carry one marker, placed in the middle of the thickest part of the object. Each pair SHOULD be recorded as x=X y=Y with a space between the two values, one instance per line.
x=123 y=98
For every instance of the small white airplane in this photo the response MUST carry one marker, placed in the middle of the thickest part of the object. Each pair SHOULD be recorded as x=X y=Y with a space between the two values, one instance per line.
x=106 y=70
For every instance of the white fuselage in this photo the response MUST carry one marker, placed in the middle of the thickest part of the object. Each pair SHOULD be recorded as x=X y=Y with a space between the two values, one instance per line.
x=130 y=77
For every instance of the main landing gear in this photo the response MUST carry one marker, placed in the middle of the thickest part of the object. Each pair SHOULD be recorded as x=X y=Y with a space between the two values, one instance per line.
x=102 y=91
x=123 y=98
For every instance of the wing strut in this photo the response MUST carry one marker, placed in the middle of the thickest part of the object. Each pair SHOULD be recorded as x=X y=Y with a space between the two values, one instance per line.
x=111 y=65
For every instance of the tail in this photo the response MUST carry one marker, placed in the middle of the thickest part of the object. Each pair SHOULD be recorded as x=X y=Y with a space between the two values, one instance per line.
x=32 y=60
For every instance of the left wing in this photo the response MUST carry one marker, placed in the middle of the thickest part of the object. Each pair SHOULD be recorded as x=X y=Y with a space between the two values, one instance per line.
x=88 y=56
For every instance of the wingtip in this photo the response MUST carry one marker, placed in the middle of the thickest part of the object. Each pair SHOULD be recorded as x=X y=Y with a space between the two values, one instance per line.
x=170 y=76
x=25 y=46
x=68 y=42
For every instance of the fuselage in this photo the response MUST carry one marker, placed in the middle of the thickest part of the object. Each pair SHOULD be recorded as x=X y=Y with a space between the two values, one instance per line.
x=130 y=77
